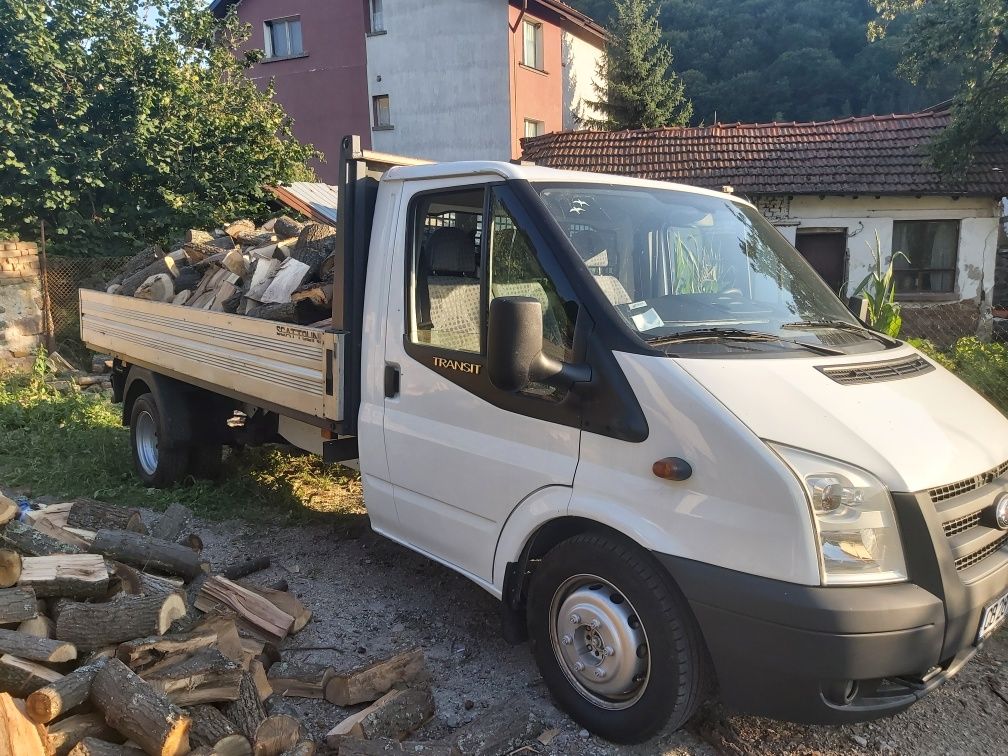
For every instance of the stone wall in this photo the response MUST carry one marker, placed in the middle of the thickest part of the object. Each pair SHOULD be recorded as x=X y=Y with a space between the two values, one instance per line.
x=22 y=324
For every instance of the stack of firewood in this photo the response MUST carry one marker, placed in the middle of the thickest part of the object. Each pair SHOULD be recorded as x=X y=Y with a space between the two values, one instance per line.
x=116 y=639
x=281 y=270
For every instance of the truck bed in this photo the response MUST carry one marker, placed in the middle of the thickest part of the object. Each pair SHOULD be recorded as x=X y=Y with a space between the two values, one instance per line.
x=292 y=369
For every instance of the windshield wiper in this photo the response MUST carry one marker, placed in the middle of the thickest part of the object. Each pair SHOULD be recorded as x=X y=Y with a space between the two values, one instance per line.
x=738 y=334
x=840 y=325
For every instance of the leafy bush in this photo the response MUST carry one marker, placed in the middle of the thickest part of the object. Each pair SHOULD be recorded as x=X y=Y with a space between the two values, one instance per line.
x=982 y=365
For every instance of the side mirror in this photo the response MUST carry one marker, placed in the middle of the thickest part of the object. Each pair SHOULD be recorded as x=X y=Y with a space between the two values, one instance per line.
x=514 y=348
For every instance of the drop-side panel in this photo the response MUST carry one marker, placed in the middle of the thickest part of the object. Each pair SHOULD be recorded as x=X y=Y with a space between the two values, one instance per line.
x=284 y=365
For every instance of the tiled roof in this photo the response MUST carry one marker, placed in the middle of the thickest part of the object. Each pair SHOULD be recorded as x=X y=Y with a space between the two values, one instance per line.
x=864 y=155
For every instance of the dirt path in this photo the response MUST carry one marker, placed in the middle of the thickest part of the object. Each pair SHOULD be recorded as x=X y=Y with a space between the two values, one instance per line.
x=371 y=596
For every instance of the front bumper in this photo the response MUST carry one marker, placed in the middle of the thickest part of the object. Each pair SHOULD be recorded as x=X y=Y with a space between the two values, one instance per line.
x=831 y=655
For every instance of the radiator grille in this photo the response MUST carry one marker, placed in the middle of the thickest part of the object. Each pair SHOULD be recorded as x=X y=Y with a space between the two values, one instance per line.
x=970 y=559
x=873 y=372
x=961 y=524
x=951 y=490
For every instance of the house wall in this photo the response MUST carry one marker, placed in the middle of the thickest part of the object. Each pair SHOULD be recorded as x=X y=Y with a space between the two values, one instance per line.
x=538 y=95
x=444 y=67
x=22 y=324
x=580 y=61
x=324 y=91
x=965 y=310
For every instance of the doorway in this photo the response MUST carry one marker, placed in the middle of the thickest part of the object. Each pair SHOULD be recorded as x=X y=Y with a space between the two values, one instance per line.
x=826 y=251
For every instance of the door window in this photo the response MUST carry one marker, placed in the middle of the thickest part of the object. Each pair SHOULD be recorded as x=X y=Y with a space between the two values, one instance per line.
x=447 y=265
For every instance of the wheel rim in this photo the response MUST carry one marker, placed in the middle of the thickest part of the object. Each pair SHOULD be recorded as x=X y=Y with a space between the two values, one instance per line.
x=600 y=642
x=146 y=441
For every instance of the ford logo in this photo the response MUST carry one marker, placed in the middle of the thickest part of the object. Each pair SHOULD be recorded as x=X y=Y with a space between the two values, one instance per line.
x=1001 y=511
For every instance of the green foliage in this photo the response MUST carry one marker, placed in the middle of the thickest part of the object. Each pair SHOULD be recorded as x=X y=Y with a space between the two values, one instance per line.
x=126 y=121
x=641 y=89
x=73 y=444
x=966 y=36
x=879 y=289
x=983 y=365
x=764 y=60
x=697 y=267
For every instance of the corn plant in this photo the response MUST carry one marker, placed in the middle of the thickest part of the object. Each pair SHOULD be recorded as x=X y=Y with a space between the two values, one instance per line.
x=697 y=267
x=878 y=289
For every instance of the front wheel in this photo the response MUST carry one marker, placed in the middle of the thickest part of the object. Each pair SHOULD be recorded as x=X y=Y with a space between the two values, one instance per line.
x=158 y=462
x=614 y=639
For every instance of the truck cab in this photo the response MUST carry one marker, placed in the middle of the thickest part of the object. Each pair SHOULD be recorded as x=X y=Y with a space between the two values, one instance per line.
x=631 y=411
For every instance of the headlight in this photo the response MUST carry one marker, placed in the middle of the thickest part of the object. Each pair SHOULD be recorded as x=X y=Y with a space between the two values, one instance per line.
x=854 y=520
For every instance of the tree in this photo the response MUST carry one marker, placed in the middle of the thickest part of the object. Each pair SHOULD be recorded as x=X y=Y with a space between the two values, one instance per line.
x=970 y=36
x=123 y=122
x=638 y=88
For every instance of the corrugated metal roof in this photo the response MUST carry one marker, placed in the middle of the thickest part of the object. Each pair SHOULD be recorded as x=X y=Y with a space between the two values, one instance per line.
x=317 y=201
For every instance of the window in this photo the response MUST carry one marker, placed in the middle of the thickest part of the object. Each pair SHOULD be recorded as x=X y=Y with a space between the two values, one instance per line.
x=534 y=128
x=283 y=37
x=931 y=253
x=515 y=271
x=382 y=114
x=532 y=51
x=376 y=16
x=445 y=299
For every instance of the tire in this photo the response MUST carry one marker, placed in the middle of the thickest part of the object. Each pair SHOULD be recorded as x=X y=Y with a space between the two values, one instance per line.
x=205 y=461
x=158 y=462
x=638 y=608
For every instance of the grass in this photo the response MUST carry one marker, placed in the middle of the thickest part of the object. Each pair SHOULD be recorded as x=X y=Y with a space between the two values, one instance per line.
x=73 y=444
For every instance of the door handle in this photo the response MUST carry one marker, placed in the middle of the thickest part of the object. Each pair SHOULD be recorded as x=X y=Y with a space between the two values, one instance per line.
x=391 y=381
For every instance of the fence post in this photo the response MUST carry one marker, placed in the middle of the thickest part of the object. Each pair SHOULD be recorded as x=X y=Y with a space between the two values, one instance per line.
x=47 y=320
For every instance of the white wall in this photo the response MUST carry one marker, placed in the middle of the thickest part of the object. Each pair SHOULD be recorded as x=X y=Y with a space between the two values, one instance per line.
x=862 y=217
x=444 y=66
x=580 y=71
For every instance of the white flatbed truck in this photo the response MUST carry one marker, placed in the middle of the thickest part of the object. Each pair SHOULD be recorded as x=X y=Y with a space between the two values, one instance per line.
x=632 y=412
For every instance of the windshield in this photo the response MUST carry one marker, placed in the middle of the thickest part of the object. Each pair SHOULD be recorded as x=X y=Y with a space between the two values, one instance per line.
x=685 y=267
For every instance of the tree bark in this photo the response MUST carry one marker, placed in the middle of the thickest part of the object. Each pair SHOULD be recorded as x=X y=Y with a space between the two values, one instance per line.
x=91 y=626
x=371 y=681
x=62 y=736
x=204 y=677
x=283 y=312
x=34 y=648
x=143 y=652
x=31 y=542
x=63 y=695
x=169 y=525
x=17 y=605
x=132 y=282
x=209 y=726
x=147 y=553
x=246 y=711
x=20 y=677
x=140 y=713
x=246 y=567
x=90 y=514
x=80 y=576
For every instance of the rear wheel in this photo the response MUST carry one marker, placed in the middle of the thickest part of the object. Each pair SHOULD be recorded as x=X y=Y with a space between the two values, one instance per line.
x=157 y=461
x=614 y=639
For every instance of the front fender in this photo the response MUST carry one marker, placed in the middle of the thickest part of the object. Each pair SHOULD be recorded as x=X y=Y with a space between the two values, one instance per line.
x=534 y=511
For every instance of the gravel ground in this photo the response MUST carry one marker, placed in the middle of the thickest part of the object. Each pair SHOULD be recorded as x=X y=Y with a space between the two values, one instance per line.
x=371 y=597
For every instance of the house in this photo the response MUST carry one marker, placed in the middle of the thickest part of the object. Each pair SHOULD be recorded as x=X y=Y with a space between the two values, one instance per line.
x=446 y=80
x=830 y=187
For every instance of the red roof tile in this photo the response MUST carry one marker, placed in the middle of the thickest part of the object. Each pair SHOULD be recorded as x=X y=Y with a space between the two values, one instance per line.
x=862 y=155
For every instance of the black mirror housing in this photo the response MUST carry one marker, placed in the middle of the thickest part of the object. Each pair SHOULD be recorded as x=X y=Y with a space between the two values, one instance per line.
x=514 y=348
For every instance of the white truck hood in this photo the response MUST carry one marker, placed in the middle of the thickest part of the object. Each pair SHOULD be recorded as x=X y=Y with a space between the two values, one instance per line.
x=915 y=432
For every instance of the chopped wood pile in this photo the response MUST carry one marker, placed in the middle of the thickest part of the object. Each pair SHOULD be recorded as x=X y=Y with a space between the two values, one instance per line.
x=281 y=271
x=116 y=638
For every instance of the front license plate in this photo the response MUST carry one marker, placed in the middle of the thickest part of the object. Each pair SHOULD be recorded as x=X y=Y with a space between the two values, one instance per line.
x=993 y=617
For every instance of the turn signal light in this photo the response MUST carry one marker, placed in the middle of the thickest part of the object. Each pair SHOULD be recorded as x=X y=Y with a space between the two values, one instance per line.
x=672 y=468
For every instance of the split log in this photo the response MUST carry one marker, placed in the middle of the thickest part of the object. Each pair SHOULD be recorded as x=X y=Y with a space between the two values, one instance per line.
x=143 y=652
x=156 y=585
x=283 y=312
x=40 y=627
x=370 y=681
x=233 y=745
x=234 y=261
x=91 y=626
x=193 y=541
x=10 y=567
x=162 y=265
x=19 y=736
x=317 y=294
x=32 y=542
x=284 y=601
x=315 y=242
x=401 y=713
x=259 y=614
x=289 y=276
x=96 y=747
x=197 y=236
x=169 y=525
x=188 y=278
x=63 y=695
x=300 y=680
x=98 y=515
x=286 y=227
x=35 y=648
x=79 y=576
x=265 y=270
x=246 y=567
x=232 y=303
x=143 y=259
x=262 y=683
x=304 y=748
x=8 y=509
x=246 y=711
x=345 y=727
x=352 y=746
x=62 y=736
x=182 y=297
x=257 y=648
x=123 y=578
x=240 y=226
x=158 y=288
x=204 y=677
x=502 y=729
x=147 y=553
x=17 y=605
x=276 y=734
x=139 y=712
x=64 y=535
x=21 y=677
